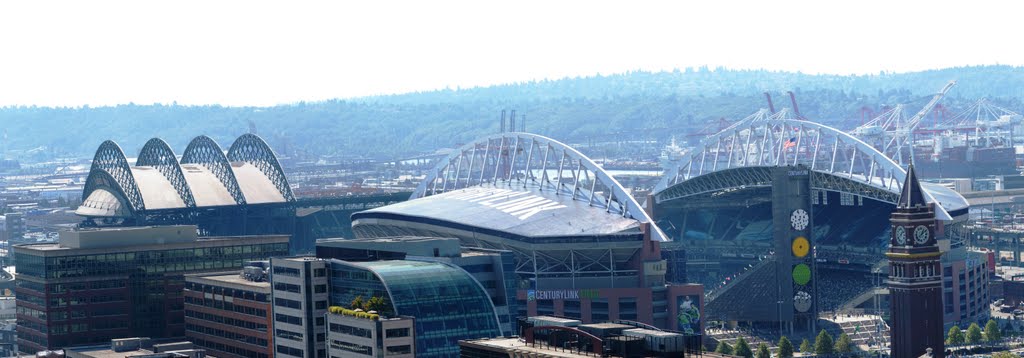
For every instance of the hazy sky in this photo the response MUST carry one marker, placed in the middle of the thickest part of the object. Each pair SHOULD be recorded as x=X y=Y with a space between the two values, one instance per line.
x=256 y=53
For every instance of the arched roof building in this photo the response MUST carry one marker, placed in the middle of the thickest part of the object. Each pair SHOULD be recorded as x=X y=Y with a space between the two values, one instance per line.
x=206 y=187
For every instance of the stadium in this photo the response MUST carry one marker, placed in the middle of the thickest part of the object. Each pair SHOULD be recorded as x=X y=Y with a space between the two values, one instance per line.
x=584 y=247
x=244 y=192
x=718 y=204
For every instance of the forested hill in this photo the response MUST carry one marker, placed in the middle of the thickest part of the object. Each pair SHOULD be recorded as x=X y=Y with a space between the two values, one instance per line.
x=574 y=109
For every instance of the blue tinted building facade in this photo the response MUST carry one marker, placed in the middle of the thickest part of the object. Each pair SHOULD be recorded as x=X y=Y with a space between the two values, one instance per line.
x=447 y=303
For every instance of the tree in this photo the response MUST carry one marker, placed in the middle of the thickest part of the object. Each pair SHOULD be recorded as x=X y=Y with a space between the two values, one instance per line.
x=844 y=344
x=357 y=303
x=743 y=349
x=378 y=304
x=1004 y=354
x=785 y=348
x=723 y=348
x=973 y=334
x=823 y=344
x=805 y=347
x=762 y=351
x=992 y=333
x=955 y=337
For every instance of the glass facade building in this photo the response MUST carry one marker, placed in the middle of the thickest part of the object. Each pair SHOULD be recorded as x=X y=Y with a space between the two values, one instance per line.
x=447 y=303
x=91 y=293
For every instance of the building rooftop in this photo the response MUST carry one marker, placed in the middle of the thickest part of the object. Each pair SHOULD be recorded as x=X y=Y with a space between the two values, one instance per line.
x=232 y=278
x=607 y=325
x=515 y=345
x=515 y=212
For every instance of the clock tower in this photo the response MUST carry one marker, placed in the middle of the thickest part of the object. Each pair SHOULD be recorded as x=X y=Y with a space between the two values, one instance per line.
x=915 y=275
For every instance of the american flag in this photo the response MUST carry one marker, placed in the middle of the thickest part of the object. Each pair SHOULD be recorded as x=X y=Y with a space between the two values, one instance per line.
x=789 y=143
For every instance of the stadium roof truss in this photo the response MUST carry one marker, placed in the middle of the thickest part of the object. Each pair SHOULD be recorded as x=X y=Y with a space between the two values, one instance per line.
x=251 y=148
x=741 y=157
x=532 y=161
x=204 y=151
x=110 y=170
x=156 y=153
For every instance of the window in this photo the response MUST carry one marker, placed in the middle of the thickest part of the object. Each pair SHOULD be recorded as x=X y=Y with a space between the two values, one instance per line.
x=284 y=302
x=288 y=319
x=319 y=272
x=321 y=305
x=289 y=335
x=396 y=350
x=287 y=287
x=320 y=289
x=396 y=332
x=289 y=351
x=278 y=270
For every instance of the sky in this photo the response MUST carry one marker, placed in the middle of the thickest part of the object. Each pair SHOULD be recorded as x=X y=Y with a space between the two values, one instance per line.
x=253 y=53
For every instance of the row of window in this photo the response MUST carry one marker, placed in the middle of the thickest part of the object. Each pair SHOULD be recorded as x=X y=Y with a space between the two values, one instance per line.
x=211 y=345
x=228 y=292
x=194 y=328
x=262 y=327
x=156 y=261
x=350 y=331
x=227 y=306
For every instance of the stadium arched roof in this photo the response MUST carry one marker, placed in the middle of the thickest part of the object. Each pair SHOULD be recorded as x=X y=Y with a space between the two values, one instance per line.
x=204 y=177
x=531 y=171
x=740 y=157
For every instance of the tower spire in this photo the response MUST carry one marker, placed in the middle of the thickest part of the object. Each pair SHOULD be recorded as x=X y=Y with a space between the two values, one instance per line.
x=912 y=194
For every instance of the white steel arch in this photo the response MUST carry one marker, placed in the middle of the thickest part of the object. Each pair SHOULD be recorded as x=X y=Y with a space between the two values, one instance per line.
x=533 y=161
x=730 y=158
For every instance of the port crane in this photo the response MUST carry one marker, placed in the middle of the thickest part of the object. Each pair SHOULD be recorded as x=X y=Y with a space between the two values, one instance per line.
x=894 y=136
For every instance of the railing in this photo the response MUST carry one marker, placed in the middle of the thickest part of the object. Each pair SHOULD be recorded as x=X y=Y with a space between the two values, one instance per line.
x=713 y=294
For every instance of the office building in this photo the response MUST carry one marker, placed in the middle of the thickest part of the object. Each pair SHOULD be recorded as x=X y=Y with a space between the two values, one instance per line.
x=299 y=287
x=447 y=304
x=229 y=313
x=99 y=284
x=352 y=333
x=493 y=269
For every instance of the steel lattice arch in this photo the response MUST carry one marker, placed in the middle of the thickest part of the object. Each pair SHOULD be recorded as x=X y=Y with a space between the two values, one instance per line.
x=741 y=156
x=243 y=192
x=524 y=160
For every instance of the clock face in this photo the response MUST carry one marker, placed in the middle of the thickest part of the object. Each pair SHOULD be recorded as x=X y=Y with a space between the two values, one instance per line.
x=801 y=246
x=799 y=219
x=802 y=301
x=901 y=235
x=920 y=234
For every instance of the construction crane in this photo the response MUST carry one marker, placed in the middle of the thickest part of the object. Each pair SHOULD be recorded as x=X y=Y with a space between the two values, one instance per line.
x=894 y=136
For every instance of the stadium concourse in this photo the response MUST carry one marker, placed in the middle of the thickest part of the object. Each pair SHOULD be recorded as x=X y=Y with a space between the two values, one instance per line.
x=584 y=248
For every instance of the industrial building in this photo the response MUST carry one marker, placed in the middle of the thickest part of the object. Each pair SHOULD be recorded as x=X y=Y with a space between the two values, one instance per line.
x=582 y=246
x=229 y=314
x=98 y=284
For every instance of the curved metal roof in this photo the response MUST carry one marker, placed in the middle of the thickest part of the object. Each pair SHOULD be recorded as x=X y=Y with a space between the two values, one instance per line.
x=203 y=178
x=526 y=162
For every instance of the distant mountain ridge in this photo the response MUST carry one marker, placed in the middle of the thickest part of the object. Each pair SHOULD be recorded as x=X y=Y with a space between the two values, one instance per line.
x=571 y=109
